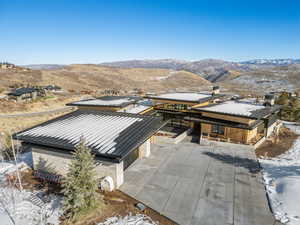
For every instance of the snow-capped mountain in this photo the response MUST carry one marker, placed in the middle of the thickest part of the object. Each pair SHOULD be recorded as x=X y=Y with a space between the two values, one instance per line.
x=272 y=62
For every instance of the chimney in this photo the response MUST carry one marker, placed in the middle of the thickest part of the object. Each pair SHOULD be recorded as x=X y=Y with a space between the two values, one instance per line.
x=269 y=100
x=215 y=90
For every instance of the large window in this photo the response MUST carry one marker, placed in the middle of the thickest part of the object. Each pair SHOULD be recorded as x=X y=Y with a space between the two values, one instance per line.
x=218 y=129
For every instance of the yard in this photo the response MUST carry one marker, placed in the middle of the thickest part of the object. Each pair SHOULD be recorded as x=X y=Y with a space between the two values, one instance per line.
x=40 y=203
x=282 y=179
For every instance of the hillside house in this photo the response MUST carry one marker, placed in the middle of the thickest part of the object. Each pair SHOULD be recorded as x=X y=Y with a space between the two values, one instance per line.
x=116 y=139
x=52 y=88
x=6 y=65
x=23 y=94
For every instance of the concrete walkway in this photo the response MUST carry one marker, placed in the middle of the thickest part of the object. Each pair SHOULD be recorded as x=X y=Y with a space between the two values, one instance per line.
x=200 y=185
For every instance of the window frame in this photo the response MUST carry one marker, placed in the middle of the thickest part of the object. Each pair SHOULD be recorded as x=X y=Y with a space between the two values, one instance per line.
x=218 y=129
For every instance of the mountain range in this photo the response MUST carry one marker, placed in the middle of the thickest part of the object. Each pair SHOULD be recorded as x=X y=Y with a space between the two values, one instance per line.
x=211 y=69
x=261 y=75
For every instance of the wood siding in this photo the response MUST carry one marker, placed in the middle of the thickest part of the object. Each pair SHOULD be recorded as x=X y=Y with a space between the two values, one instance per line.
x=229 y=118
x=234 y=134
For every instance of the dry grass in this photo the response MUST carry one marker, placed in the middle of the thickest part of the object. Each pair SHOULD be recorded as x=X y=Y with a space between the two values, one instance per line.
x=94 y=77
x=277 y=145
x=39 y=105
x=12 y=125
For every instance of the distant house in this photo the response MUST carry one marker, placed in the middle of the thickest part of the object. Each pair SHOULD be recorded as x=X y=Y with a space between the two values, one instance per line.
x=6 y=65
x=52 y=88
x=116 y=139
x=23 y=94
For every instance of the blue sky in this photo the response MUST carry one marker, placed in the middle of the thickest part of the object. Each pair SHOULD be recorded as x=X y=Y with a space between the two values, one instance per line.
x=90 y=31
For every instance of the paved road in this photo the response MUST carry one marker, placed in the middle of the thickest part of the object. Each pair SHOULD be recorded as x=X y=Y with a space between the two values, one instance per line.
x=200 y=185
x=60 y=110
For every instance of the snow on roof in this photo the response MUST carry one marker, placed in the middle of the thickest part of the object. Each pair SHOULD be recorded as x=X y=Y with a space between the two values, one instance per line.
x=183 y=96
x=106 y=133
x=137 y=109
x=100 y=102
x=140 y=106
x=234 y=108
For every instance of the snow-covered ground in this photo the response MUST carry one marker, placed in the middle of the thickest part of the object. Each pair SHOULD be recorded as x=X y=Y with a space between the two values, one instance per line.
x=30 y=208
x=25 y=207
x=129 y=220
x=282 y=178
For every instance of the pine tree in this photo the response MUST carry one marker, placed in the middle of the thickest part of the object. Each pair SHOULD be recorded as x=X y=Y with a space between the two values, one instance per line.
x=80 y=184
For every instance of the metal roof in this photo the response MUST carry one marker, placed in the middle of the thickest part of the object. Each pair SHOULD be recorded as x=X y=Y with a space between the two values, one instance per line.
x=110 y=135
x=107 y=101
x=192 y=97
x=240 y=108
x=21 y=91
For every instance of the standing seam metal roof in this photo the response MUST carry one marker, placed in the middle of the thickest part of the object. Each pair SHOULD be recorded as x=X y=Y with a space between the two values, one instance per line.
x=107 y=134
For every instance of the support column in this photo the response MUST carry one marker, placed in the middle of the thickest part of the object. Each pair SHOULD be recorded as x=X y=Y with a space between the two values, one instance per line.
x=119 y=174
x=144 y=149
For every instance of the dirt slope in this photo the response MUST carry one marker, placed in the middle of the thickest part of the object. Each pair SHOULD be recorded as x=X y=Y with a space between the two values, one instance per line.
x=94 y=77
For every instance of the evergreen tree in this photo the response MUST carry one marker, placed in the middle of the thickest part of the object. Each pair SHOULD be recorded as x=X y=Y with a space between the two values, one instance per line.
x=80 y=184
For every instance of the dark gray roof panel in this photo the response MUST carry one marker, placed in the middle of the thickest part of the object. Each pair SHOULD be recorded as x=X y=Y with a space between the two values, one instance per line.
x=107 y=134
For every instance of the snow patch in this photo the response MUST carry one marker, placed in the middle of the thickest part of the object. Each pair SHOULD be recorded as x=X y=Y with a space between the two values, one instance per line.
x=129 y=220
x=234 y=107
x=282 y=180
x=183 y=96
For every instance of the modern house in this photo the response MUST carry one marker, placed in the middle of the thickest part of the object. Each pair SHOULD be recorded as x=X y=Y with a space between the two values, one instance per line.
x=236 y=121
x=215 y=117
x=23 y=94
x=116 y=139
x=175 y=106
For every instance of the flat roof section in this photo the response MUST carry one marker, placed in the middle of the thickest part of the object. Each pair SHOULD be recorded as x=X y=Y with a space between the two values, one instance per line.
x=107 y=101
x=239 y=108
x=184 y=96
x=141 y=106
x=110 y=135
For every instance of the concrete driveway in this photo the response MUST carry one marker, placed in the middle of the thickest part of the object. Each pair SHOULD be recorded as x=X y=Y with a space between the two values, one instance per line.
x=200 y=185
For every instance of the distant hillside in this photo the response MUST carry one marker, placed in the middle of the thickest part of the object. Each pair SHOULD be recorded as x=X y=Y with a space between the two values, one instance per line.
x=157 y=64
x=44 y=66
x=93 y=77
x=259 y=75
x=210 y=69
x=265 y=79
